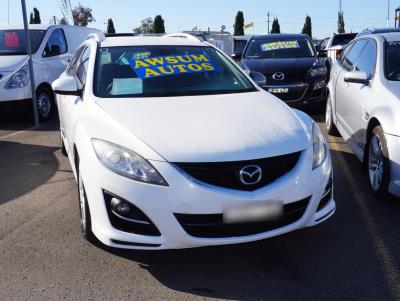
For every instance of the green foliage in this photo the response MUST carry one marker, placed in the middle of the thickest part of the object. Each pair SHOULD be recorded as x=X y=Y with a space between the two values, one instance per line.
x=158 y=25
x=82 y=15
x=110 y=26
x=239 y=24
x=35 y=17
x=307 y=29
x=341 y=28
x=276 y=28
x=145 y=27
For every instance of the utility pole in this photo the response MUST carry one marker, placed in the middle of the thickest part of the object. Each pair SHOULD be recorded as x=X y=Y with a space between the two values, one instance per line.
x=8 y=9
x=268 y=21
x=54 y=19
x=388 y=14
x=30 y=63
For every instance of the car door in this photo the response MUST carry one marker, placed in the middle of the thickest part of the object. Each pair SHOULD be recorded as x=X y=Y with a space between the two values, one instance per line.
x=55 y=55
x=71 y=104
x=345 y=103
x=364 y=96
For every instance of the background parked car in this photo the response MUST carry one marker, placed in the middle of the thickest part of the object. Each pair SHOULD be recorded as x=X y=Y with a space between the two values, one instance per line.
x=239 y=44
x=290 y=65
x=376 y=31
x=364 y=105
x=330 y=48
x=52 y=48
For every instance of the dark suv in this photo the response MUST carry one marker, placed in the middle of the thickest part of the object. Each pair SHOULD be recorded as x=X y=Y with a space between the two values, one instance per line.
x=291 y=67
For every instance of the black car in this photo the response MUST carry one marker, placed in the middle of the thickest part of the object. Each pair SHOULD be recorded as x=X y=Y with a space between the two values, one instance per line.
x=290 y=64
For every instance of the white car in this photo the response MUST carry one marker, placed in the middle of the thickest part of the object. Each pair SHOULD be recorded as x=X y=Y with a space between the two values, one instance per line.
x=173 y=146
x=52 y=48
x=364 y=105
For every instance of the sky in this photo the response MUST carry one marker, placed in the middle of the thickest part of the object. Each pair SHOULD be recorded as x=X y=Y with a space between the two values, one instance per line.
x=186 y=14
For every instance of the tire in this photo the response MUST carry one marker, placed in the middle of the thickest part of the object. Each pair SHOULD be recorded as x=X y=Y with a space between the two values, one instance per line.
x=63 y=149
x=85 y=218
x=45 y=103
x=378 y=163
x=330 y=125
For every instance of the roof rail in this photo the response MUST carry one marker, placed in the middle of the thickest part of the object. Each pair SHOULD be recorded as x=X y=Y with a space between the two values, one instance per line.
x=181 y=35
x=127 y=34
x=97 y=36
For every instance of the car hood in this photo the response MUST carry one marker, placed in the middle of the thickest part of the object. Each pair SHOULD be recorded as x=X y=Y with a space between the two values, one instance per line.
x=10 y=63
x=230 y=127
x=293 y=68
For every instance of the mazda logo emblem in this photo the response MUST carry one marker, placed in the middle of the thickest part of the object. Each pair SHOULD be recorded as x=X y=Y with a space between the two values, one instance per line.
x=250 y=175
x=278 y=76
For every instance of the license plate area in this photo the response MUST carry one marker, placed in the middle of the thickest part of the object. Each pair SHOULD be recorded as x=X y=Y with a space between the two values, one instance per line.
x=278 y=90
x=254 y=212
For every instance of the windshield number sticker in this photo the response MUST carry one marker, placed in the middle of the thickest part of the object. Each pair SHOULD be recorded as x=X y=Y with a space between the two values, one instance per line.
x=280 y=45
x=172 y=65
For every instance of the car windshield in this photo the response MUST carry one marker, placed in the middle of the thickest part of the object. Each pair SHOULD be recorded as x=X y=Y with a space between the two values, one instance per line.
x=343 y=39
x=12 y=42
x=166 y=71
x=393 y=61
x=279 y=48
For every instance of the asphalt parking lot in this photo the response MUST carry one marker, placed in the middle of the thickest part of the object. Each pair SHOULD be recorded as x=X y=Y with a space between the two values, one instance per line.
x=353 y=256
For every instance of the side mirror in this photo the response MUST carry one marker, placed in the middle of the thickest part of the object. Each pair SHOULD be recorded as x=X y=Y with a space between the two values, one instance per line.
x=55 y=50
x=237 y=55
x=66 y=86
x=322 y=53
x=259 y=78
x=357 y=77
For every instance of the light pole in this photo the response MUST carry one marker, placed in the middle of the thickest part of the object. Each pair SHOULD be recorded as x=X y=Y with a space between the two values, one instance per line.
x=388 y=14
x=30 y=64
x=8 y=10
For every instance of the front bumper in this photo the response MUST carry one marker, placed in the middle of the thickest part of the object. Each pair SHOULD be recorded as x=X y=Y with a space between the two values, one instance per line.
x=303 y=94
x=183 y=196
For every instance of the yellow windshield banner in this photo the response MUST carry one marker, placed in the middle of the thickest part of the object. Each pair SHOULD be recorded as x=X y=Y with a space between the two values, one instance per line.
x=280 y=45
x=146 y=68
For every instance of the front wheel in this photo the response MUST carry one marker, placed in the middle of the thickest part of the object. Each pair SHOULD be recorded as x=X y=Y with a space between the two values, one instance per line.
x=330 y=125
x=85 y=218
x=378 y=163
x=45 y=103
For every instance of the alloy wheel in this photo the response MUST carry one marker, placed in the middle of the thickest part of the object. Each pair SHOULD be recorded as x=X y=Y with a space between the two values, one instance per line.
x=375 y=163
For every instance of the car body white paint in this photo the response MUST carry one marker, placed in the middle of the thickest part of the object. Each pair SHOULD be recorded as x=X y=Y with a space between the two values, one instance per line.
x=208 y=128
x=365 y=104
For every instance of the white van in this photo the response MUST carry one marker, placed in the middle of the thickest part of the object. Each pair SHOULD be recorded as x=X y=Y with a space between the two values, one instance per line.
x=52 y=48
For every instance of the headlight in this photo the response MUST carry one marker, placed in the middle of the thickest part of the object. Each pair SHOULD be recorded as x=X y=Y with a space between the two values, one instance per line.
x=319 y=147
x=19 y=79
x=317 y=71
x=127 y=163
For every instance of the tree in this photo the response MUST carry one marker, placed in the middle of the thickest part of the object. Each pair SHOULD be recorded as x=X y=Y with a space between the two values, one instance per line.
x=110 y=26
x=145 y=27
x=35 y=17
x=239 y=24
x=307 y=29
x=82 y=15
x=341 y=23
x=158 y=25
x=276 y=28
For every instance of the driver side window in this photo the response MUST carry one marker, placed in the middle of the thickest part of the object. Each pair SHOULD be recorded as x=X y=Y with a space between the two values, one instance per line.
x=56 y=44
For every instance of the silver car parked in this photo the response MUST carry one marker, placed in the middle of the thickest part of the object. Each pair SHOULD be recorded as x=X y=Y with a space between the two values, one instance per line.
x=364 y=106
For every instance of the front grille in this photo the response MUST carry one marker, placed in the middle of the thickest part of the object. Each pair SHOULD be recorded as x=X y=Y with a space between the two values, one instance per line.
x=213 y=226
x=296 y=92
x=226 y=174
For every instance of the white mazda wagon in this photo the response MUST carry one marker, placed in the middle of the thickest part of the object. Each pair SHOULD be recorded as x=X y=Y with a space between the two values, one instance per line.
x=174 y=146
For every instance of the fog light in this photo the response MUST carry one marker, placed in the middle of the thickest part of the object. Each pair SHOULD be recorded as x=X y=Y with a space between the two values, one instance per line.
x=319 y=85
x=120 y=207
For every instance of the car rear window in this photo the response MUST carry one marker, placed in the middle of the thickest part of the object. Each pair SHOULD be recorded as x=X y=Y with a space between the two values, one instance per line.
x=343 y=39
x=279 y=48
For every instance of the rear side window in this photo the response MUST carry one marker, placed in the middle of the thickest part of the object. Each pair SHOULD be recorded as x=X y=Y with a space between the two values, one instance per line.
x=367 y=60
x=56 y=45
x=351 y=57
